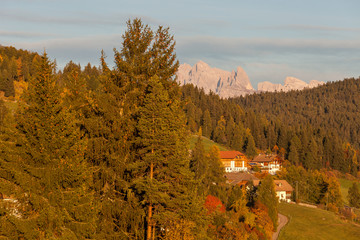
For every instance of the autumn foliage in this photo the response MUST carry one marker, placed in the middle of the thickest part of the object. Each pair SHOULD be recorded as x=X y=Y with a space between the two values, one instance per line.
x=213 y=204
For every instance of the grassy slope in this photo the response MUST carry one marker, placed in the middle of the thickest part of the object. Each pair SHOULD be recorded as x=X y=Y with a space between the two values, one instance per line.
x=207 y=143
x=344 y=188
x=309 y=223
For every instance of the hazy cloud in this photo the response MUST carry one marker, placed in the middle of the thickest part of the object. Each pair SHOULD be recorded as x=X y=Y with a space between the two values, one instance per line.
x=205 y=45
x=80 y=49
x=77 y=18
x=298 y=27
x=22 y=34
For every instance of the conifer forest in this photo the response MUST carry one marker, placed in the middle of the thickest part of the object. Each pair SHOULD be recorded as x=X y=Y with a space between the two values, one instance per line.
x=103 y=152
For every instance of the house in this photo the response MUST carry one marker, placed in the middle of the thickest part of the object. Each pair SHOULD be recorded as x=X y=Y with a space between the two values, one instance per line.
x=282 y=188
x=234 y=161
x=239 y=178
x=268 y=163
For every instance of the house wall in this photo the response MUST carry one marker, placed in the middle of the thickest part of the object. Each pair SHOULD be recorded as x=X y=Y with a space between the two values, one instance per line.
x=233 y=165
x=282 y=196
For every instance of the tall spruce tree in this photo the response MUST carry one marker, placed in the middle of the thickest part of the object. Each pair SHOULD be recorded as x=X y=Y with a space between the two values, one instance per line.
x=267 y=196
x=206 y=124
x=108 y=151
x=48 y=166
x=198 y=162
x=250 y=148
x=161 y=175
x=147 y=61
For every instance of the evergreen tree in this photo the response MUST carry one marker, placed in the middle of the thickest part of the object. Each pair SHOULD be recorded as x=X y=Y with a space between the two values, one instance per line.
x=206 y=124
x=311 y=160
x=354 y=195
x=198 y=161
x=219 y=132
x=48 y=166
x=215 y=171
x=144 y=55
x=293 y=155
x=162 y=175
x=267 y=196
x=250 y=148
x=108 y=151
x=238 y=139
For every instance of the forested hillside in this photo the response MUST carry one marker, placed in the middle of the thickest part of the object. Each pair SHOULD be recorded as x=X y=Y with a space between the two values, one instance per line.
x=310 y=133
x=15 y=65
x=333 y=106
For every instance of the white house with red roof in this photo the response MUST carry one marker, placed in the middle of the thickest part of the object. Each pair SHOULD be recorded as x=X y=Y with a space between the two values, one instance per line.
x=234 y=161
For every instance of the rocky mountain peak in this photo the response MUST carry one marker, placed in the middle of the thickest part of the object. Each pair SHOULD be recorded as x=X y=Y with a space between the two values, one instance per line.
x=226 y=84
x=235 y=83
x=290 y=83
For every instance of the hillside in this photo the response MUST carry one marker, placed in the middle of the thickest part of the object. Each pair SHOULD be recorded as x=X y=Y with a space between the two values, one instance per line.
x=316 y=224
x=206 y=142
x=242 y=125
x=333 y=106
x=15 y=65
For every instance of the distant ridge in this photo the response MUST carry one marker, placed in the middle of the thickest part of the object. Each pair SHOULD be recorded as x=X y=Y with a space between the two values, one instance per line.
x=235 y=83
x=290 y=83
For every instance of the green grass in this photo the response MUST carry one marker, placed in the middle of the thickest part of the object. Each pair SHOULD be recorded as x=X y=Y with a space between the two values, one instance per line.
x=345 y=184
x=316 y=224
x=206 y=142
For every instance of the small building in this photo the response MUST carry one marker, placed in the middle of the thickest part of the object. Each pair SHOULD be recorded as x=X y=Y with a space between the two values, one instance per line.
x=282 y=188
x=239 y=178
x=267 y=163
x=234 y=161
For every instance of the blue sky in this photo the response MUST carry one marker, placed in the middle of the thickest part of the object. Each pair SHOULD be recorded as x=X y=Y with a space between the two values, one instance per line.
x=270 y=39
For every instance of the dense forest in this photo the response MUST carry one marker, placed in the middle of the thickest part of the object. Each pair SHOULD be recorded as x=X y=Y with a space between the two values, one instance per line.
x=333 y=106
x=305 y=128
x=100 y=153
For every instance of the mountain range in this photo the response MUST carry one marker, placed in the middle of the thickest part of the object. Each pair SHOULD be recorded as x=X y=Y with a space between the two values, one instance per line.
x=235 y=83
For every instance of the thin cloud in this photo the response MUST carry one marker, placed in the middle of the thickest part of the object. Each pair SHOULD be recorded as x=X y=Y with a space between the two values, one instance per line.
x=312 y=28
x=209 y=45
x=77 y=18
x=23 y=34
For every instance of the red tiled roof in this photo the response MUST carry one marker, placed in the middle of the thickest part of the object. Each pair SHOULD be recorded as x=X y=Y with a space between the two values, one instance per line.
x=235 y=178
x=230 y=154
x=283 y=185
x=280 y=185
x=264 y=158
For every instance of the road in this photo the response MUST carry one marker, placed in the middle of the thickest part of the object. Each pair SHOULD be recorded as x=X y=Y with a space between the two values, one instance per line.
x=282 y=222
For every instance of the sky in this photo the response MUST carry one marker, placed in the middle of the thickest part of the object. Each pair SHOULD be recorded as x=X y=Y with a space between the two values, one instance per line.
x=269 y=39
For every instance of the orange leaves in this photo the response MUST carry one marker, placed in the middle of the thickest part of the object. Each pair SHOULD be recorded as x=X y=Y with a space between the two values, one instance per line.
x=213 y=204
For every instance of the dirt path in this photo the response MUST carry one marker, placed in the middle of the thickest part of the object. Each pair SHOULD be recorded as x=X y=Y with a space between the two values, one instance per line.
x=282 y=222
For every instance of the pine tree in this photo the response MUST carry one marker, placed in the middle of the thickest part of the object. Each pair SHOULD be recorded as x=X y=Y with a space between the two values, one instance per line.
x=215 y=171
x=206 y=124
x=105 y=125
x=293 y=155
x=250 y=148
x=162 y=176
x=219 y=132
x=198 y=162
x=49 y=169
x=267 y=196
x=144 y=55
